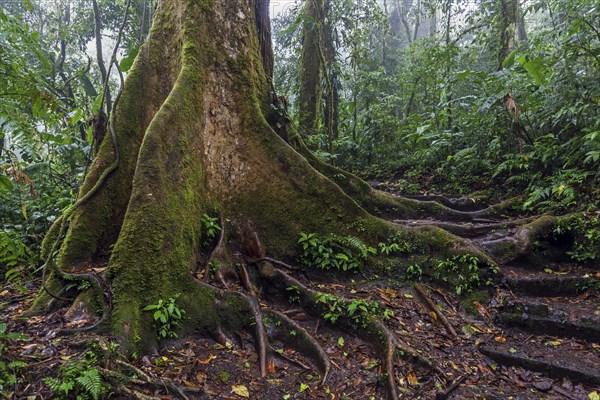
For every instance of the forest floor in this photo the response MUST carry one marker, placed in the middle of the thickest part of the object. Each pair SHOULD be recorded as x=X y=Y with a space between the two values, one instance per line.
x=535 y=335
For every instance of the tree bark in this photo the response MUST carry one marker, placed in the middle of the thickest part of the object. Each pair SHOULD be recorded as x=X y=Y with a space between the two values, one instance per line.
x=192 y=138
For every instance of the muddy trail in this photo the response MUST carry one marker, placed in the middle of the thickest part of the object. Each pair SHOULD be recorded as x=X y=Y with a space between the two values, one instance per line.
x=534 y=335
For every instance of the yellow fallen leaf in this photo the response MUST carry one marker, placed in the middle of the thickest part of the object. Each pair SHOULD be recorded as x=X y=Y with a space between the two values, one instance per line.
x=411 y=377
x=433 y=315
x=209 y=359
x=241 y=391
x=594 y=396
x=500 y=339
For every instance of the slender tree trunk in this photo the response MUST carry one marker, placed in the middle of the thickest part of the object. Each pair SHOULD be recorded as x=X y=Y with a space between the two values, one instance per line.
x=331 y=115
x=309 y=98
x=508 y=29
x=100 y=55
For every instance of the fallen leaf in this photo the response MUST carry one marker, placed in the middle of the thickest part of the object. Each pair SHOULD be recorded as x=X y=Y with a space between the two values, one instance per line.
x=481 y=310
x=303 y=387
x=500 y=339
x=209 y=359
x=512 y=350
x=411 y=377
x=241 y=391
x=594 y=396
x=341 y=341
x=554 y=343
x=408 y=296
x=201 y=377
x=433 y=315
x=271 y=367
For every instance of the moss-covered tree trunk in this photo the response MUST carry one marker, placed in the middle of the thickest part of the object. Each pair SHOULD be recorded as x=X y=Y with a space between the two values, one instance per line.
x=193 y=138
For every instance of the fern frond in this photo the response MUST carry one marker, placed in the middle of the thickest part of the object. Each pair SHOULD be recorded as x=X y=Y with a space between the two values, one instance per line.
x=91 y=382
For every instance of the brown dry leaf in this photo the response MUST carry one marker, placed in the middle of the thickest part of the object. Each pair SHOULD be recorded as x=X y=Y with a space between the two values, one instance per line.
x=190 y=384
x=411 y=377
x=500 y=339
x=209 y=359
x=482 y=311
x=4 y=293
x=453 y=365
x=271 y=367
x=241 y=391
x=201 y=378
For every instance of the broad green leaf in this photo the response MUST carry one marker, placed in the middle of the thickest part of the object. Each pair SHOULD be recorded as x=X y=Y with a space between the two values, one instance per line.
x=89 y=88
x=536 y=68
x=127 y=62
x=5 y=183
x=510 y=60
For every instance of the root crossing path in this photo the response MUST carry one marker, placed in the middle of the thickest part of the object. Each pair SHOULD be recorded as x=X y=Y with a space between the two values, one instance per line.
x=534 y=333
x=544 y=313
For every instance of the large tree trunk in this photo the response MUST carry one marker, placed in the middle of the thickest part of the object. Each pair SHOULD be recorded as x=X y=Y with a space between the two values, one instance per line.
x=193 y=138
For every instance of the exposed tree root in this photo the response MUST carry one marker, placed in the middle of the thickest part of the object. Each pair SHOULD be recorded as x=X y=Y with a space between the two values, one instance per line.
x=259 y=332
x=467 y=230
x=372 y=330
x=303 y=340
x=456 y=203
x=440 y=316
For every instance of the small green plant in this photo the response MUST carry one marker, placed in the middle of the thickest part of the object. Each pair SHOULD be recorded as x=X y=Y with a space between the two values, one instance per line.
x=211 y=226
x=414 y=271
x=294 y=293
x=332 y=305
x=343 y=253
x=360 y=310
x=8 y=368
x=15 y=258
x=168 y=314
x=78 y=379
x=387 y=249
x=461 y=272
x=585 y=230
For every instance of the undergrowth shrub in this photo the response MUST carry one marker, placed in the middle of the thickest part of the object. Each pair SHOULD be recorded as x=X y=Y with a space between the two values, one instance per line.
x=79 y=379
x=343 y=253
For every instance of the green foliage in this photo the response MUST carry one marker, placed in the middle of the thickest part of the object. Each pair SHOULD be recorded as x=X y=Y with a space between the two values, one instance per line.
x=78 y=379
x=8 y=368
x=168 y=315
x=358 y=311
x=345 y=253
x=15 y=257
x=585 y=230
x=414 y=271
x=294 y=294
x=463 y=273
x=211 y=226
x=333 y=306
x=431 y=110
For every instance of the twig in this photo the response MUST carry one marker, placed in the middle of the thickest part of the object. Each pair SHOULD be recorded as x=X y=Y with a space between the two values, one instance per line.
x=435 y=309
x=444 y=395
x=443 y=295
x=274 y=261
